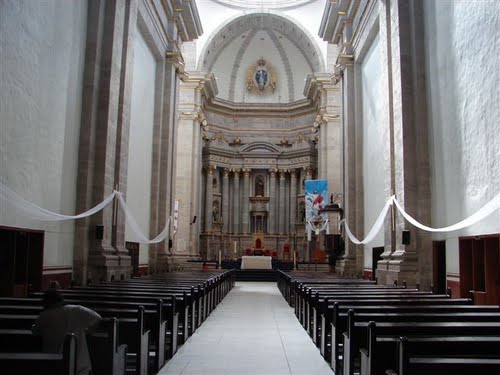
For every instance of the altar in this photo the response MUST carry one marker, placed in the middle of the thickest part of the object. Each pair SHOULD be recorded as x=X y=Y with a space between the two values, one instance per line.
x=256 y=263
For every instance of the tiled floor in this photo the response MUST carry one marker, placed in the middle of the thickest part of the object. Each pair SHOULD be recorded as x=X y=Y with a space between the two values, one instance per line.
x=252 y=332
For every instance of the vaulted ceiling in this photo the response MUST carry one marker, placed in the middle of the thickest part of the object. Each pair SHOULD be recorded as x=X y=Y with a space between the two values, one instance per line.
x=233 y=52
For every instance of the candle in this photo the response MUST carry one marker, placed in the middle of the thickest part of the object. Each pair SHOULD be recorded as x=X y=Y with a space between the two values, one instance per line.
x=219 y=258
x=234 y=247
x=294 y=261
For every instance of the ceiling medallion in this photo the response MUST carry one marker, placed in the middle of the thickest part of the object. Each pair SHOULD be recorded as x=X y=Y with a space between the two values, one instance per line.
x=261 y=78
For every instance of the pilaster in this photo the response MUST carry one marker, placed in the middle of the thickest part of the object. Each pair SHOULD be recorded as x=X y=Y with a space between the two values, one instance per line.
x=194 y=89
x=225 y=200
x=245 y=201
x=282 y=216
x=236 y=201
x=293 y=200
x=272 y=200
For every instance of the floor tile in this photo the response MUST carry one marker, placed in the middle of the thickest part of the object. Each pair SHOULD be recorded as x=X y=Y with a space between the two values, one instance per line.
x=253 y=331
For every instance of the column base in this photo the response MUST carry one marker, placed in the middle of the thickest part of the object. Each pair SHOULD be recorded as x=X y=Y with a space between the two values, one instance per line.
x=347 y=267
x=401 y=268
x=108 y=263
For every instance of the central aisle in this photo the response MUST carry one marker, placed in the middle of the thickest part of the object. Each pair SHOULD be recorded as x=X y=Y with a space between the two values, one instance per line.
x=252 y=332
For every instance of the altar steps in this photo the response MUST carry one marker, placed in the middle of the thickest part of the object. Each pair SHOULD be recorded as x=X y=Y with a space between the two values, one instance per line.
x=256 y=275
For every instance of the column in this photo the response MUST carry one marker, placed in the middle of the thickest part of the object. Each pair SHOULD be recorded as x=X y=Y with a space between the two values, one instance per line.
x=236 y=201
x=195 y=87
x=272 y=201
x=410 y=147
x=225 y=200
x=293 y=200
x=245 y=209
x=282 y=202
x=209 y=170
x=103 y=141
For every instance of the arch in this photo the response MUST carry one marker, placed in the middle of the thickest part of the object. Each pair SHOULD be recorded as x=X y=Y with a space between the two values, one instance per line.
x=259 y=146
x=236 y=26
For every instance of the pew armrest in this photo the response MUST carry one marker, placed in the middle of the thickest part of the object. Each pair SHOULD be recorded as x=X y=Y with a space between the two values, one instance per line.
x=120 y=360
x=390 y=372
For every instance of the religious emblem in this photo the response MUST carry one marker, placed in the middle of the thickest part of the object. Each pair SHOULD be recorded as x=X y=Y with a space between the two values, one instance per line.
x=261 y=78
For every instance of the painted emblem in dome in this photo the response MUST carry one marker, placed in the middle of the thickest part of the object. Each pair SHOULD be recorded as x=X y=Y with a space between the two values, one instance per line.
x=261 y=78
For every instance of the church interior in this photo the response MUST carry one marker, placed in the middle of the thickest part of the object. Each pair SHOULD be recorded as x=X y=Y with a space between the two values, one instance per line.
x=174 y=140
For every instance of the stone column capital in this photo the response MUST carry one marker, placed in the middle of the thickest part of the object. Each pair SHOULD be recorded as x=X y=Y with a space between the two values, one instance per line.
x=236 y=173
x=246 y=171
x=309 y=172
x=283 y=173
x=273 y=172
x=209 y=169
x=293 y=173
x=225 y=172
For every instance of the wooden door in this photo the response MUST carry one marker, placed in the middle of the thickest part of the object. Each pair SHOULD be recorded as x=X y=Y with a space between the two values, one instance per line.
x=439 y=266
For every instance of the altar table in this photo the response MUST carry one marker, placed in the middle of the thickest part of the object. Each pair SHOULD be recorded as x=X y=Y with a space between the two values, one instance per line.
x=256 y=263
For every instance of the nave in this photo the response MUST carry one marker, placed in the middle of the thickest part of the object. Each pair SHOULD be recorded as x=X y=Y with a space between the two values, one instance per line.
x=252 y=331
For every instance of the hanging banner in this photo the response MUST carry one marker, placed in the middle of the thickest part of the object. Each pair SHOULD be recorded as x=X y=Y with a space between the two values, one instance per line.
x=316 y=198
x=316 y=194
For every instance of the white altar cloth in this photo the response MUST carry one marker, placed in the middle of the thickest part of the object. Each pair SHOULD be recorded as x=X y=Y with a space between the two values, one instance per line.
x=256 y=263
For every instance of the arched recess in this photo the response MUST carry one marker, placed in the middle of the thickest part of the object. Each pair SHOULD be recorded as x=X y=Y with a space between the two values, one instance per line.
x=286 y=37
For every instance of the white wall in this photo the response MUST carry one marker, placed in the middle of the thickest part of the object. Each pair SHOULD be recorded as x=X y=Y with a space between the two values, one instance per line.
x=463 y=80
x=41 y=71
x=373 y=159
x=141 y=140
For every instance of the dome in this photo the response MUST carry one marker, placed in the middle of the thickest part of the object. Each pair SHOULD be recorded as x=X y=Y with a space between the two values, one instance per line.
x=261 y=58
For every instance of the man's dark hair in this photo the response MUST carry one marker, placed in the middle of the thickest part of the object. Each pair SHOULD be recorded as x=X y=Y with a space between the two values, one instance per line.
x=52 y=297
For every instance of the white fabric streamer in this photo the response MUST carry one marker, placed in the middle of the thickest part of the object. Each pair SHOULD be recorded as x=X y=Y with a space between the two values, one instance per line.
x=135 y=228
x=38 y=213
x=311 y=227
x=485 y=211
x=376 y=227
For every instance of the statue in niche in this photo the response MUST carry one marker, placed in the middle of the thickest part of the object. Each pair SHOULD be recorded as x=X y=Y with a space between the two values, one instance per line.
x=259 y=186
x=215 y=211
x=302 y=212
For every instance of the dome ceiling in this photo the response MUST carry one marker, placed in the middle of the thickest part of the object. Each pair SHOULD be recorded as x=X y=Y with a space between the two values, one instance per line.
x=282 y=51
x=264 y=4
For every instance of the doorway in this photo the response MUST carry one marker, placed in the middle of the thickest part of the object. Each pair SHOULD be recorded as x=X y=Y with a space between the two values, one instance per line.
x=133 y=250
x=439 y=266
x=480 y=268
x=21 y=261
x=376 y=256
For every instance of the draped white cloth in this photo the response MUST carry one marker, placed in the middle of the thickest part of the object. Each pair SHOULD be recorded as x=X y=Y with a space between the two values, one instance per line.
x=485 y=211
x=375 y=228
x=134 y=226
x=311 y=227
x=9 y=197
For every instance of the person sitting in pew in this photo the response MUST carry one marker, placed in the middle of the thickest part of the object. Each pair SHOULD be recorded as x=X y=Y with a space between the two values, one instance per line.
x=58 y=319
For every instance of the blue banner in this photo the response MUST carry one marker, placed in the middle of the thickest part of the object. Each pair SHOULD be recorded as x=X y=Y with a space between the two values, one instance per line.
x=316 y=192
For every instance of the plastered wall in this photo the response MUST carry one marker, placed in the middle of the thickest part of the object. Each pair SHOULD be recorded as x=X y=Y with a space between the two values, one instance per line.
x=41 y=71
x=463 y=77
x=372 y=158
x=141 y=140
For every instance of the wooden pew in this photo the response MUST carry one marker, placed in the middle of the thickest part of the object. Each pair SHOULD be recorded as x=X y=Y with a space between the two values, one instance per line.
x=357 y=333
x=42 y=363
x=337 y=316
x=153 y=317
x=378 y=354
x=132 y=332
x=411 y=364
